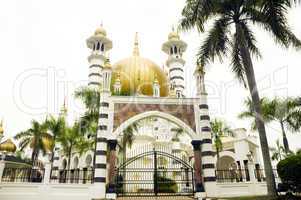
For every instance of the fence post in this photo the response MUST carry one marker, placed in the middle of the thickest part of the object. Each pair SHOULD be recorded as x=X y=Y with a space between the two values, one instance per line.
x=251 y=169
x=2 y=166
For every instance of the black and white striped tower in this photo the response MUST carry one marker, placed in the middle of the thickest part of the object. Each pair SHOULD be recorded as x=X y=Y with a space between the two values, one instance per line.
x=174 y=48
x=99 y=44
x=207 y=155
x=100 y=166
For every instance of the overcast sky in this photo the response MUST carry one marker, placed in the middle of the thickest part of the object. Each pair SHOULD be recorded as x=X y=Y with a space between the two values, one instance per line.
x=44 y=57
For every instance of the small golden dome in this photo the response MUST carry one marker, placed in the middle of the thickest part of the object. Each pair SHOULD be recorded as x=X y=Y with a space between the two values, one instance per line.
x=137 y=75
x=8 y=146
x=173 y=35
x=100 y=31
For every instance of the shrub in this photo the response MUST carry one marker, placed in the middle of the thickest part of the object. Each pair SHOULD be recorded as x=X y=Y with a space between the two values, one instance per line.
x=289 y=170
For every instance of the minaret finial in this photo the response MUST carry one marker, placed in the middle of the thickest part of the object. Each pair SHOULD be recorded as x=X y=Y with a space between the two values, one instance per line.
x=136 y=45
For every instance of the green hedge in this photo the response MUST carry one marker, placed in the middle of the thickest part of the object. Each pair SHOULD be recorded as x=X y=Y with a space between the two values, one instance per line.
x=166 y=185
x=289 y=170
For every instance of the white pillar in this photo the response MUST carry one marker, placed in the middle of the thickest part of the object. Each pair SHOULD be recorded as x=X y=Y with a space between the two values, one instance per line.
x=251 y=168
x=47 y=173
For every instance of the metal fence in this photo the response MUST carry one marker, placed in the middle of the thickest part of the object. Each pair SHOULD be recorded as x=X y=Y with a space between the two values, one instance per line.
x=260 y=175
x=76 y=176
x=23 y=175
x=241 y=175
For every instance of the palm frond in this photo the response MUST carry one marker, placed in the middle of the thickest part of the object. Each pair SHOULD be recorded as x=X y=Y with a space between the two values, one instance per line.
x=216 y=43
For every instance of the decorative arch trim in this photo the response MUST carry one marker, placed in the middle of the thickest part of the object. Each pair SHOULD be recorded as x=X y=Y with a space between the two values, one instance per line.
x=159 y=114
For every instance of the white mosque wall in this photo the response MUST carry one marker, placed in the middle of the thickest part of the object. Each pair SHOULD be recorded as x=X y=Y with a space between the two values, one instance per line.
x=39 y=191
x=240 y=189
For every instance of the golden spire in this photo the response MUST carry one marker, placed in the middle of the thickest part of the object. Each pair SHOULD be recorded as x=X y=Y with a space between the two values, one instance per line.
x=136 y=46
x=64 y=109
x=1 y=127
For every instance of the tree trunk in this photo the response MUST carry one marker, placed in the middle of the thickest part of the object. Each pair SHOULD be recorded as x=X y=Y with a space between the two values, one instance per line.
x=285 y=141
x=33 y=154
x=69 y=158
x=53 y=150
x=248 y=66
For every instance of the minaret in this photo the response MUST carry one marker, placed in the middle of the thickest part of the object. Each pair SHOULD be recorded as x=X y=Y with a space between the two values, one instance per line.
x=204 y=130
x=107 y=76
x=117 y=85
x=199 y=74
x=64 y=110
x=156 y=88
x=174 y=48
x=99 y=45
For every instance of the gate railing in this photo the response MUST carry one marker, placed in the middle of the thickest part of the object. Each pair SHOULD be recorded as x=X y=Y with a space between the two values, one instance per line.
x=154 y=173
x=75 y=176
x=242 y=175
x=23 y=175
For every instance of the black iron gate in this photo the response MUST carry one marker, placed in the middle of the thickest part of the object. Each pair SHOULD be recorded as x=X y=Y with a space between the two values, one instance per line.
x=154 y=173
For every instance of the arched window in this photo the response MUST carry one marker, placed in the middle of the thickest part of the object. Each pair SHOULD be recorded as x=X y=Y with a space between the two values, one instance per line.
x=102 y=47
x=176 y=50
x=171 y=51
x=98 y=46
x=93 y=47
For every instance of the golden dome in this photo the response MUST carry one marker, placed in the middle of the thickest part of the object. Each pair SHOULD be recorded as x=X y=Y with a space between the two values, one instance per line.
x=100 y=31
x=137 y=75
x=8 y=146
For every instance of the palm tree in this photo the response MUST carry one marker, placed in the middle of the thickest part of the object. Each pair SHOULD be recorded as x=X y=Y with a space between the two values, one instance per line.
x=89 y=121
x=91 y=100
x=279 y=152
x=57 y=127
x=36 y=138
x=288 y=113
x=285 y=111
x=127 y=139
x=250 y=113
x=219 y=130
x=71 y=141
x=231 y=35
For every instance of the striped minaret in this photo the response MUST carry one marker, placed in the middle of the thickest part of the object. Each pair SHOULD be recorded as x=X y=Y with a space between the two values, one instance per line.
x=99 y=45
x=174 y=48
x=100 y=165
x=207 y=155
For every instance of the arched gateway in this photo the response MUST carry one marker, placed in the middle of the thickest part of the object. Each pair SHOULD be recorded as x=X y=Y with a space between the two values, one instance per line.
x=136 y=88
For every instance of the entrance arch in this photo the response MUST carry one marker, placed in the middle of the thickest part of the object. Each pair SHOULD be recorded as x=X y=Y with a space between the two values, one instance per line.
x=158 y=114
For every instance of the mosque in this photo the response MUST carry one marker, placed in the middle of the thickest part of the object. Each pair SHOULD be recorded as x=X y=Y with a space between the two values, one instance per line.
x=171 y=150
